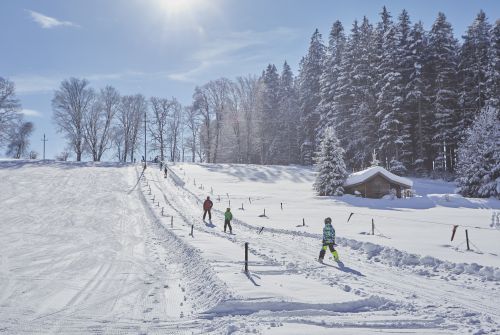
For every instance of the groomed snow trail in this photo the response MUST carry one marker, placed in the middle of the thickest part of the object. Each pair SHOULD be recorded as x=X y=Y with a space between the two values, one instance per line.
x=382 y=297
x=81 y=252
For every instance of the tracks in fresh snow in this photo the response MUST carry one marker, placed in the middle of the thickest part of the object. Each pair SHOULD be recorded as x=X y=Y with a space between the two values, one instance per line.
x=428 y=301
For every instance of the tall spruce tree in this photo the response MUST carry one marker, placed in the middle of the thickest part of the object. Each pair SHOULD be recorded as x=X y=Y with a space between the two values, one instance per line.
x=330 y=165
x=270 y=115
x=493 y=81
x=418 y=118
x=289 y=116
x=390 y=97
x=309 y=87
x=442 y=69
x=472 y=71
x=329 y=81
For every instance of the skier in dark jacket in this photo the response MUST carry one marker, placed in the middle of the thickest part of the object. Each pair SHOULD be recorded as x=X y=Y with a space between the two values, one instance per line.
x=328 y=241
x=228 y=216
x=207 y=208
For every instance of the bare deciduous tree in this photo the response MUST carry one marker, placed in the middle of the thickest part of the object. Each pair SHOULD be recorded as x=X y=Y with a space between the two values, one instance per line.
x=9 y=109
x=19 y=140
x=192 y=119
x=158 y=122
x=130 y=117
x=71 y=102
x=174 y=128
x=98 y=121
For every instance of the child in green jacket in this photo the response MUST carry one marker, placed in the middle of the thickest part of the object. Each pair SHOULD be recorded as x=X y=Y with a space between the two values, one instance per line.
x=228 y=216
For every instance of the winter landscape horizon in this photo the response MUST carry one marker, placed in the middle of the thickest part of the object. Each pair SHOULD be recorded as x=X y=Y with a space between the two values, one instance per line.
x=250 y=167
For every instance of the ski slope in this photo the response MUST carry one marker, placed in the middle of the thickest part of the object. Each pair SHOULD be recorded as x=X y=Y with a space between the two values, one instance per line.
x=85 y=248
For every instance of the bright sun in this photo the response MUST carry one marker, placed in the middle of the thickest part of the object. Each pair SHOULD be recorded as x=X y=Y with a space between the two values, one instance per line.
x=178 y=7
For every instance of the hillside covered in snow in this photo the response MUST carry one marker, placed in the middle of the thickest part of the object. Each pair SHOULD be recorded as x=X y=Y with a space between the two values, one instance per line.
x=105 y=248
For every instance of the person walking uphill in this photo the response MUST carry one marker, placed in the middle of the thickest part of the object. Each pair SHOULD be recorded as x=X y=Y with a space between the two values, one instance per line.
x=207 y=208
x=328 y=241
x=228 y=216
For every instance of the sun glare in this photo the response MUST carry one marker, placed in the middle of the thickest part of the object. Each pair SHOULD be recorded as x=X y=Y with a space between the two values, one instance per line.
x=179 y=7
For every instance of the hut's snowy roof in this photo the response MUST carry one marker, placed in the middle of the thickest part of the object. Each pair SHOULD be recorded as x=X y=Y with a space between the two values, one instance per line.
x=361 y=176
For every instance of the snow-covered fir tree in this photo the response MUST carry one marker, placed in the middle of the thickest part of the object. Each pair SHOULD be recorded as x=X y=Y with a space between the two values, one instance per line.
x=330 y=165
x=472 y=71
x=493 y=81
x=390 y=95
x=309 y=87
x=329 y=81
x=442 y=65
x=479 y=157
x=269 y=114
x=418 y=118
x=289 y=117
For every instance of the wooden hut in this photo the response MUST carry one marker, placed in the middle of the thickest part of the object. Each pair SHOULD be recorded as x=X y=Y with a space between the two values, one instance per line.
x=375 y=182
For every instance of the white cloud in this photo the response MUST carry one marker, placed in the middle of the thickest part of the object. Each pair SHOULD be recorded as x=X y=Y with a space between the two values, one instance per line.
x=35 y=83
x=235 y=47
x=48 y=22
x=31 y=112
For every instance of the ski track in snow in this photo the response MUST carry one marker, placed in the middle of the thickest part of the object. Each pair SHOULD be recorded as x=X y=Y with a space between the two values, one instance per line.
x=92 y=254
x=438 y=303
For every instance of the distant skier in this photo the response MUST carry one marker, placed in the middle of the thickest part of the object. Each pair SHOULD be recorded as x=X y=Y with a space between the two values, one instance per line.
x=207 y=208
x=161 y=165
x=165 y=170
x=328 y=241
x=228 y=216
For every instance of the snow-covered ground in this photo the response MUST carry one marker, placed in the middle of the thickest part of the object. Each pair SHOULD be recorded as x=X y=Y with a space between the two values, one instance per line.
x=85 y=249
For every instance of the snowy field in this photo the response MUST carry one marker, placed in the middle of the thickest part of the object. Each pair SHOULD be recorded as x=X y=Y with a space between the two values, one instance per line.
x=85 y=249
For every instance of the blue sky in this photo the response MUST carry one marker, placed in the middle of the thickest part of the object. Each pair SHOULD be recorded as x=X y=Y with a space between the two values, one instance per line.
x=167 y=47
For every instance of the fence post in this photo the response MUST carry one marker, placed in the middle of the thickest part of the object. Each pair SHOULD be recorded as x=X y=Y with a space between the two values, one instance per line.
x=192 y=227
x=453 y=232
x=467 y=239
x=281 y=206
x=303 y=222
x=172 y=222
x=246 y=257
x=373 y=227
x=229 y=203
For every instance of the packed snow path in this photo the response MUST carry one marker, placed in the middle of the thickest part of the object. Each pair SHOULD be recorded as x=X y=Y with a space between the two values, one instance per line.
x=81 y=252
x=86 y=249
x=466 y=304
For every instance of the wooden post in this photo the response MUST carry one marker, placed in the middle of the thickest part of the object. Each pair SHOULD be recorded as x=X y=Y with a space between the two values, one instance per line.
x=246 y=256
x=467 y=239
x=242 y=207
x=303 y=222
x=229 y=203
x=454 y=231
x=264 y=212
x=172 y=221
x=373 y=227
x=192 y=227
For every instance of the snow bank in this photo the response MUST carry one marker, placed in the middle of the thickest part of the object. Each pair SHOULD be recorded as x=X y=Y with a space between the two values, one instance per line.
x=245 y=307
x=402 y=259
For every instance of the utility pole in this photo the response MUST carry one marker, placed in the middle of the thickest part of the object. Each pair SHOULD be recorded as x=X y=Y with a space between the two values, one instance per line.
x=44 y=140
x=145 y=154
